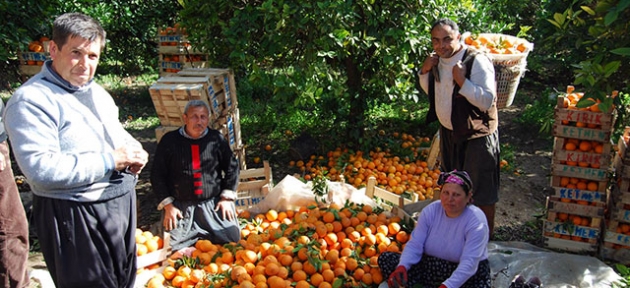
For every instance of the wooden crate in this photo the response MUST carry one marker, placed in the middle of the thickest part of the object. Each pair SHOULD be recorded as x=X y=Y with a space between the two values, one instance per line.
x=157 y=256
x=230 y=127
x=570 y=245
x=29 y=70
x=30 y=63
x=604 y=120
x=582 y=133
x=617 y=238
x=229 y=84
x=587 y=173
x=175 y=67
x=170 y=99
x=601 y=195
x=240 y=155
x=595 y=222
x=612 y=251
x=616 y=245
x=612 y=225
x=390 y=201
x=602 y=160
x=596 y=210
x=32 y=56
x=581 y=195
x=212 y=84
x=621 y=167
x=586 y=234
x=622 y=215
x=434 y=151
x=253 y=186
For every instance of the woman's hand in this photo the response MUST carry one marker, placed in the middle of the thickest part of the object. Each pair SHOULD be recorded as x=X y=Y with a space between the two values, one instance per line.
x=398 y=278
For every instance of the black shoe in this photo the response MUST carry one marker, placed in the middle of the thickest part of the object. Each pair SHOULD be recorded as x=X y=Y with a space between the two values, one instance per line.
x=518 y=282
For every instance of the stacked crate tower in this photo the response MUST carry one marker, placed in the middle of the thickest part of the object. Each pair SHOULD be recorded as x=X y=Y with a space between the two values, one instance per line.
x=176 y=52
x=581 y=164
x=211 y=85
x=616 y=244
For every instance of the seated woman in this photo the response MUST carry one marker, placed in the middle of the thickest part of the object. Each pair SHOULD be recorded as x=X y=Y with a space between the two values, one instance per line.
x=448 y=246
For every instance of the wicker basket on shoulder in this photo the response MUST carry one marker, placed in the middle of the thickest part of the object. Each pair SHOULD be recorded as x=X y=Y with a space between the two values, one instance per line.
x=508 y=68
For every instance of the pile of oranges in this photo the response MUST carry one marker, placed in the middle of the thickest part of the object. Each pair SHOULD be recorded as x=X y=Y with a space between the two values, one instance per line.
x=38 y=45
x=570 y=101
x=313 y=246
x=406 y=174
x=502 y=45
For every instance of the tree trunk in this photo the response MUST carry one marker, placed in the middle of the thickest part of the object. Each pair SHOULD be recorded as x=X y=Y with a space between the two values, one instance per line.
x=357 y=101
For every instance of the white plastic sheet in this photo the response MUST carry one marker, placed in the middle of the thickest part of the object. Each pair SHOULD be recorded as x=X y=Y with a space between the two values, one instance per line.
x=508 y=259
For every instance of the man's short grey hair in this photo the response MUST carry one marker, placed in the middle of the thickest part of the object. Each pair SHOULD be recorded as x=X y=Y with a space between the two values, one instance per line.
x=196 y=103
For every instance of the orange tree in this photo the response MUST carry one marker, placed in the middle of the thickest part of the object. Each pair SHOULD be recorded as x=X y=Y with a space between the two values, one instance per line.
x=131 y=29
x=333 y=55
x=595 y=34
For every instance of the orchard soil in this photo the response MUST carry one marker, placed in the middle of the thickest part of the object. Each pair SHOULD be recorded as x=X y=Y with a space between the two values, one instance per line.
x=519 y=210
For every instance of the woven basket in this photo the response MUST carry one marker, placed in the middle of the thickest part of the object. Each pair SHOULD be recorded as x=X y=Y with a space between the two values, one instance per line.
x=508 y=68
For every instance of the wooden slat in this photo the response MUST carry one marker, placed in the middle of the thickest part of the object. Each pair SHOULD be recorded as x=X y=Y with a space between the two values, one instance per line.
x=434 y=151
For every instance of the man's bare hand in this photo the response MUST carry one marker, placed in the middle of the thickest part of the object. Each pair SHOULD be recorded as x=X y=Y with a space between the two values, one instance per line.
x=171 y=215
x=431 y=61
x=227 y=208
x=133 y=157
x=459 y=73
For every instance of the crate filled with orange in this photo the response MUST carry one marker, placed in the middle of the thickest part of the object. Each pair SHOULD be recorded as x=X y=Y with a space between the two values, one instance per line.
x=176 y=52
x=173 y=63
x=152 y=250
x=32 y=60
x=616 y=244
x=580 y=171
x=575 y=216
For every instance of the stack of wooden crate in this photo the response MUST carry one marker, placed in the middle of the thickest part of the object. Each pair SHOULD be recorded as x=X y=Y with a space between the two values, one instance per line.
x=616 y=244
x=31 y=62
x=580 y=167
x=176 y=52
x=212 y=85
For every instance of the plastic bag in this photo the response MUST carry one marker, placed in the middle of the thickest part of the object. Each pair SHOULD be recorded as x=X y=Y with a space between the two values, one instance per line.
x=291 y=194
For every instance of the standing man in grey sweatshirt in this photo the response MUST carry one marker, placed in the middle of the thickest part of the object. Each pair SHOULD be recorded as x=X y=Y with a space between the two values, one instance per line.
x=81 y=164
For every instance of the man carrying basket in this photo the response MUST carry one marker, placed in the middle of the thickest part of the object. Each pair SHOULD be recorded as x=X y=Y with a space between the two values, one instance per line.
x=460 y=84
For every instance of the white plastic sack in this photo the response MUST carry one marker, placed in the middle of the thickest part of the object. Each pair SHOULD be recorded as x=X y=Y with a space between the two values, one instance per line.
x=291 y=194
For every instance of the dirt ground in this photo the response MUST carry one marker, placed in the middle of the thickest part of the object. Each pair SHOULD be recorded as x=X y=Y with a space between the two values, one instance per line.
x=522 y=194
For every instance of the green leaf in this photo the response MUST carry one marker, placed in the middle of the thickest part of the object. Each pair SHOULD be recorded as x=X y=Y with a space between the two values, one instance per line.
x=611 y=17
x=611 y=68
x=559 y=18
x=588 y=10
x=625 y=51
